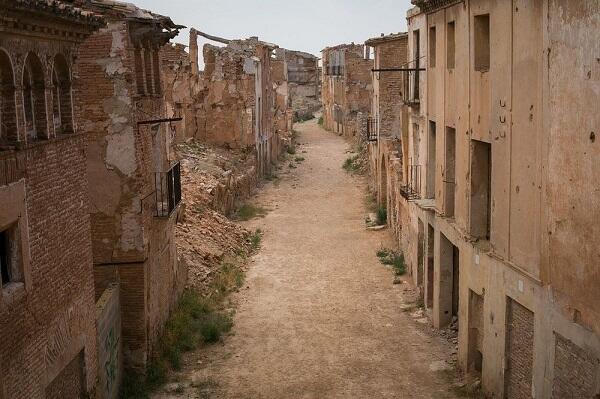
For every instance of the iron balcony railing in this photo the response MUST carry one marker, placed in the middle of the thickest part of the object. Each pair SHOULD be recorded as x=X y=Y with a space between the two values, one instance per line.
x=412 y=189
x=371 y=129
x=410 y=82
x=167 y=190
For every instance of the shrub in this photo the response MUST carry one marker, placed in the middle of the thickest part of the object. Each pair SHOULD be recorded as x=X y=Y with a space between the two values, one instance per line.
x=394 y=259
x=249 y=211
x=351 y=164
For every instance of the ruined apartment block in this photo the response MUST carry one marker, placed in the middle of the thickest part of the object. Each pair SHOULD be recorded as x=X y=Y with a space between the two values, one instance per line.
x=47 y=310
x=135 y=179
x=388 y=119
x=346 y=87
x=497 y=202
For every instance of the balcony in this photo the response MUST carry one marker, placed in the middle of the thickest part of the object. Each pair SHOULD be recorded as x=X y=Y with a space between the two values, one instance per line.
x=412 y=190
x=167 y=191
x=410 y=83
x=371 y=129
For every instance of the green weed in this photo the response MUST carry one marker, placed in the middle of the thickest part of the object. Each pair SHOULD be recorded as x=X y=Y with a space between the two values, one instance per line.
x=249 y=211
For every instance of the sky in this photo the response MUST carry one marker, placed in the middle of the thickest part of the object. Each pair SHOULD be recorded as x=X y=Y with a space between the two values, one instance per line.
x=304 y=25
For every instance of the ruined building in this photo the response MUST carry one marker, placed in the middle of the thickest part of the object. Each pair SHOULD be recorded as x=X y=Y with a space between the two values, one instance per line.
x=497 y=203
x=180 y=82
x=47 y=309
x=135 y=179
x=388 y=119
x=282 y=109
x=345 y=87
x=238 y=97
x=303 y=83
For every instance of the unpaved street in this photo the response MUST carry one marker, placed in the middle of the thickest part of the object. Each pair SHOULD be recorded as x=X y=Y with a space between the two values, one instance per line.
x=319 y=316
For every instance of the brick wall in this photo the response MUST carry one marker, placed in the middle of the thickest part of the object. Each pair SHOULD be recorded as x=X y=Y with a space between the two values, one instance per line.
x=41 y=330
x=132 y=247
x=519 y=351
x=574 y=371
x=391 y=54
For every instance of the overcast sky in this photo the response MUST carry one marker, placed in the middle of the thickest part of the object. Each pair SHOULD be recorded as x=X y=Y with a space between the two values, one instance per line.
x=305 y=25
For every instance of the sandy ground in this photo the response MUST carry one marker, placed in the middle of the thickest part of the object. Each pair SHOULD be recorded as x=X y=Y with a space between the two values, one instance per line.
x=319 y=316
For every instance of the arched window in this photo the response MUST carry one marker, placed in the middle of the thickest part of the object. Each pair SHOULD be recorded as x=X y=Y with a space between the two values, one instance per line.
x=8 y=114
x=61 y=93
x=34 y=98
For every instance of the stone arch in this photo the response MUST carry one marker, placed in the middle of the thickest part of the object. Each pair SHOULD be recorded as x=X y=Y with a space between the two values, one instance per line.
x=61 y=95
x=34 y=98
x=8 y=111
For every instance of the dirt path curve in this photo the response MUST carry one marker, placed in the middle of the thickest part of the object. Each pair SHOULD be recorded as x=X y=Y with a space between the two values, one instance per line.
x=320 y=317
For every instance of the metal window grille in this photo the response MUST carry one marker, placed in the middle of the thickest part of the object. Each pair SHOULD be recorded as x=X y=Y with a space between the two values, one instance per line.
x=371 y=129
x=412 y=190
x=167 y=190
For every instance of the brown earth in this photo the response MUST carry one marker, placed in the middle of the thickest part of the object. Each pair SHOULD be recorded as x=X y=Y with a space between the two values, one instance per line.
x=319 y=316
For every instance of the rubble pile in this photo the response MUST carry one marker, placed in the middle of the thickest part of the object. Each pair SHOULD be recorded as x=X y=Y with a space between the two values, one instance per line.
x=210 y=177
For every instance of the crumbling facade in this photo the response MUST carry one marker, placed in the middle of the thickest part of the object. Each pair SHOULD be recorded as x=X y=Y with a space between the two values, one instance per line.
x=303 y=82
x=47 y=310
x=495 y=215
x=282 y=110
x=388 y=119
x=135 y=185
x=346 y=87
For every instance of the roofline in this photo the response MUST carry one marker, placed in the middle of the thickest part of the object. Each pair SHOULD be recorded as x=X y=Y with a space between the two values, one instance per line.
x=387 y=38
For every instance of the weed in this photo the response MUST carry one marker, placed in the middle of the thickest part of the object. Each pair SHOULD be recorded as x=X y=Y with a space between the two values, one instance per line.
x=249 y=211
x=213 y=326
x=394 y=259
x=271 y=177
x=255 y=239
x=198 y=208
x=351 y=165
x=320 y=120
x=194 y=321
x=299 y=159
x=179 y=389
x=381 y=216
x=291 y=150
x=292 y=166
x=383 y=253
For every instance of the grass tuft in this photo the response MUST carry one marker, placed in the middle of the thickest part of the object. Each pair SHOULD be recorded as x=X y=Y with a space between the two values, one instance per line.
x=320 y=120
x=291 y=150
x=394 y=259
x=256 y=239
x=351 y=164
x=195 y=321
x=249 y=211
x=299 y=159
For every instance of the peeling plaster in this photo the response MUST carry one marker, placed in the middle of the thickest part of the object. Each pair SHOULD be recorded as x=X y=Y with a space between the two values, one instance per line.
x=119 y=148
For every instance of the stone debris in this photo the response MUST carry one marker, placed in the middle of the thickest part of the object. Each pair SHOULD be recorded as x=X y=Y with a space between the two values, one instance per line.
x=213 y=181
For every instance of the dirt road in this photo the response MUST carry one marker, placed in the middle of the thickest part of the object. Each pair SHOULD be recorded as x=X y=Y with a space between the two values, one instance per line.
x=319 y=316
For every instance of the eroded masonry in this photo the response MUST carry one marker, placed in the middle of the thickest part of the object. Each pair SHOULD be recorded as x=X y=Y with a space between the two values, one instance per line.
x=482 y=146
